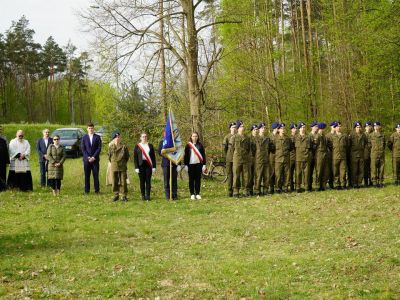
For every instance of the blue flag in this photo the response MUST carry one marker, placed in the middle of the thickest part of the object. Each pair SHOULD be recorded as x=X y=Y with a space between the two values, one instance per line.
x=172 y=145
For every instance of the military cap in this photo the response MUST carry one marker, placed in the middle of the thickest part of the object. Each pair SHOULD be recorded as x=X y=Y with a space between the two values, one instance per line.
x=239 y=123
x=314 y=123
x=115 y=134
x=321 y=125
x=397 y=125
x=293 y=125
x=337 y=124
x=275 y=125
x=301 y=124
x=254 y=126
x=261 y=125
x=282 y=125
x=377 y=123
x=332 y=124
x=232 y=124
x=368 y=123
x=356 y=124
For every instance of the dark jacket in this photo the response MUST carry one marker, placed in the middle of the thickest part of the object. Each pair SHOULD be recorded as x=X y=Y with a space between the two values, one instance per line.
x=4 y=156
x=188 y=152
x=138 y=157
x=164 y=161
x=42 y=149
x=93 y=150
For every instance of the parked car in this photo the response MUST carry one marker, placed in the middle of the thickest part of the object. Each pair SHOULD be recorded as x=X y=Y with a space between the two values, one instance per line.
x=71 y=140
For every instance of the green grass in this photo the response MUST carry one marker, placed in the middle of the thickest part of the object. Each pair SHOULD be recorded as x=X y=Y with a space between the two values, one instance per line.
x=330 y=245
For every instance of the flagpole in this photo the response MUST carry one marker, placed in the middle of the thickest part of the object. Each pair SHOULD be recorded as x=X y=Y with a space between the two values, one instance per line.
x=170 y=180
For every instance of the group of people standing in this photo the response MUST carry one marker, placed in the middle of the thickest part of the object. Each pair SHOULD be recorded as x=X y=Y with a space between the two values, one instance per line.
x=264 y=163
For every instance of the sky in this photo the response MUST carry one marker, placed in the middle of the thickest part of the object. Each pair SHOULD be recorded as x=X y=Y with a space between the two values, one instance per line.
x=57 y=18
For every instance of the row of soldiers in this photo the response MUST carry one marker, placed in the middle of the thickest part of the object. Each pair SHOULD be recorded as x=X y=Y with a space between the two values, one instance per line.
x=267 y=162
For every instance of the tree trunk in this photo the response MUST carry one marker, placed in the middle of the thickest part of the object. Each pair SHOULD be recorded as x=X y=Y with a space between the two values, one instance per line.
x=162 y=61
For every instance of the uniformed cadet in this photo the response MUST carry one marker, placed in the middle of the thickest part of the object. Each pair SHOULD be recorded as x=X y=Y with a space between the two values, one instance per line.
x=367 y=155
x=377 y=142
x=329 y=159
x=313 y=163
x=271 y=166
x=292 y=164
x=261 y=162
x=253 y=137
x=357 y=143
x=394 y=146
x=339 y=155
x=282 y=159
x=240 y=145
x=303 y=144
x=321 y=152
x=229 y=158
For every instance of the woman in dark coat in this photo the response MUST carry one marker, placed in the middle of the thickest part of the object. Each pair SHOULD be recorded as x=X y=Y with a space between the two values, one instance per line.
x=144 y=159
x=56 y=157
x=195 y=163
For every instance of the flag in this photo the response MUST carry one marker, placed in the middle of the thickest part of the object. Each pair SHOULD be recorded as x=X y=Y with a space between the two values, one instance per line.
x=172 y=145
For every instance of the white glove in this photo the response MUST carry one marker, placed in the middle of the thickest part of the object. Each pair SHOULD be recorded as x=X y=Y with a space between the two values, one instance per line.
x=153 y=170
x=137 y=171
x=203 y=168
x=178 y=168
x=186 y=168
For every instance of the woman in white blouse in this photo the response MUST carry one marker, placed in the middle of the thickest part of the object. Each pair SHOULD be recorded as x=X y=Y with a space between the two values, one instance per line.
x=20 y=172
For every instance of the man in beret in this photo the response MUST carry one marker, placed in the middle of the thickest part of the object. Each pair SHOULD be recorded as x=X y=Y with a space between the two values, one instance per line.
x=229 y=157
x=292 y=164
x=367 y=155
x=271 y=167
x=340 y=146
x=303 y=144
x=394 y=146
x=329 y=158
x=261 y=162
x=357 y=143
x=253 y=137
x=377 y=142
x=320 y=158
x=240 y=145
x=313 y=163
x=282 y=159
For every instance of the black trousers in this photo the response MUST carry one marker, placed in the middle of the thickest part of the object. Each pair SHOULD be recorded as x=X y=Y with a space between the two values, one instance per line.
x=174 y=182
x=91 y=168
x=195 y=178
x=145 y=173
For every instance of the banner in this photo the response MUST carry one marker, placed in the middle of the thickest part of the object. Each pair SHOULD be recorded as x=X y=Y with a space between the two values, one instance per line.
x=172 y=145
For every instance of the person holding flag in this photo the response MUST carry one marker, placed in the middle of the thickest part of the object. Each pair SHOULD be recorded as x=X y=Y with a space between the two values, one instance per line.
x=145 y=164
x=195 y=162
x=171 y=149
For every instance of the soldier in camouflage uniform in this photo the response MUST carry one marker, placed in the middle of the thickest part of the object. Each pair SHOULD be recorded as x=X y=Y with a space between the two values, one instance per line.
x=367 y=156
x=313 y=163
x=321 y=151
x=261 y=161
x=271 y=166
x=377 y=142
x=339 y=155
x=229 y=157
x=240 y=145
x=282 y=159
x=329 y=160
x=303 y=145
x=292 y=165
x=394 y=146
x=253 y=137
x=357 y=143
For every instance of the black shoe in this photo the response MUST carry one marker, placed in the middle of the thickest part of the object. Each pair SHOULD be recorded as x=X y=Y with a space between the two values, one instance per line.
x=147 y=198
x=143 y=197
x=339 y=188
x=251 y=193
x=246 y=195
x=286 y=191
x=279 y=191
x=125 y=198
x=116 y=198
x=230 y=195
x=236 y=195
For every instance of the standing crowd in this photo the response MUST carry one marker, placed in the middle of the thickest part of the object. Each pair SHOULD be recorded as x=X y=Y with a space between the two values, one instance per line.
x=264 y=163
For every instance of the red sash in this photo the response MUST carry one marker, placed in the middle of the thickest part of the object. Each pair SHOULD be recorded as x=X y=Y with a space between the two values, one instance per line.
x=196 y=151
x=148 y=159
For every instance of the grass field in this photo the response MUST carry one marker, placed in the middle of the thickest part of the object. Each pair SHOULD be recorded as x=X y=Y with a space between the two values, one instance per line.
x=329 y=245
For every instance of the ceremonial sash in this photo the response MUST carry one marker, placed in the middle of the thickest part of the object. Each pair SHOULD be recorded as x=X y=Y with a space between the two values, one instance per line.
x=148 y=159
x=196 y=151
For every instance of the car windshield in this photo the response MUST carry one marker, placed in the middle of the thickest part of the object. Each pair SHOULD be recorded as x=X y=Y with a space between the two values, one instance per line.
x=66 y=134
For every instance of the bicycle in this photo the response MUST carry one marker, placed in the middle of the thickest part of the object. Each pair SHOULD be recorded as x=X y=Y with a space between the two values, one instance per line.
x=216 y=170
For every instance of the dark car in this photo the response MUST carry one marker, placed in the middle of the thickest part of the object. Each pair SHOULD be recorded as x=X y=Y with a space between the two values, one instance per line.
x=70 y=138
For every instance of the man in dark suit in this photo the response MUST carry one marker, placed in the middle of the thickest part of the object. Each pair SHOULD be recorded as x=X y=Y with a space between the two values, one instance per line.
x=91 y=148
x=42 y=145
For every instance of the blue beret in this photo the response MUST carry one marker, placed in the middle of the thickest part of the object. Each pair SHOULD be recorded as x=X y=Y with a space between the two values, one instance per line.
x=301 y=124
x=282 y=125
x=115 y=134
x=332 y=124
x=293 y=125
x=238 y=123
x=368 y=123
x=377 y=123
x=314 y=123
x=357 y=124
x=261 y=125
x=254 y=126
x=321 y=125
x=337 y=124
x=275 y=125
x=398 y=125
